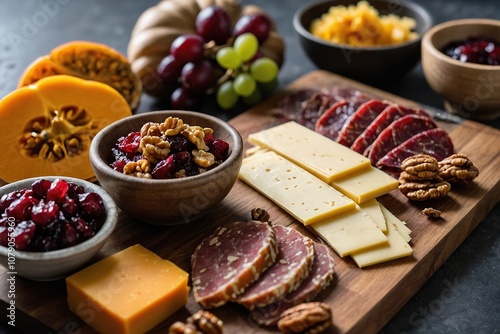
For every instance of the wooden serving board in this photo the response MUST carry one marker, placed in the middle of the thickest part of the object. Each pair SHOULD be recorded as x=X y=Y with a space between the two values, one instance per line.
x=362 y=300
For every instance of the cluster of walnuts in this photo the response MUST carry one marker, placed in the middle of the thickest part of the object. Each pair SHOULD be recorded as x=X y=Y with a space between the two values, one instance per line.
x=424 y=177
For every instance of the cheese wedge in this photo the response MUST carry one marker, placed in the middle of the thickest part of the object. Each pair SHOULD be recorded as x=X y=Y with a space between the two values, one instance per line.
x=396 y=248
x=302 y=195
x=350 y=232
x=365 y=184
x=398 y=224
x=129 y=292
x=372 y=209
x=319 y=155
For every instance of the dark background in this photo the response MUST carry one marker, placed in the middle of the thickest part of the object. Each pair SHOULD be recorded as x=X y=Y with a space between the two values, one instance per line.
x=463 y=296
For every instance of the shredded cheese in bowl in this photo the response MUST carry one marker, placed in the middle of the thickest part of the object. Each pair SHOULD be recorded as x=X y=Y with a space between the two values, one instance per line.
x=361 y=26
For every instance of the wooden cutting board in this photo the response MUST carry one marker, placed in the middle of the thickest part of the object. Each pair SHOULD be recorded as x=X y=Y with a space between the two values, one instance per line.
x=362 y=300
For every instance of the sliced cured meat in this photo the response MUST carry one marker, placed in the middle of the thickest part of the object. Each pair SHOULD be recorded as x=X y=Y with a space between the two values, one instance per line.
x=304 y=106
x=320 y=276
x=333 y=119
x=230 y=259
x=397 y=133
x=360 y=120
x=389 y=115
x=293 y=264
x=435 y=142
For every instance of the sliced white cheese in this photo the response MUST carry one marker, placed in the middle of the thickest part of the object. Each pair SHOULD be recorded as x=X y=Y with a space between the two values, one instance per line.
x=365 y=184
x=396 y=248
x=399 y=225
x=298 y=192
x=319 y=155
x=372 y=209
x=350 y=232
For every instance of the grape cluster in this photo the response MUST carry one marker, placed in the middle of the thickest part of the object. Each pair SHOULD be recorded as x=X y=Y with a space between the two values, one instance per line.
x=219 y=59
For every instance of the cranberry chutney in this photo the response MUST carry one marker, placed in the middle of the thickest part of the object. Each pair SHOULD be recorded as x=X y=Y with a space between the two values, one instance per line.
x=476 y=49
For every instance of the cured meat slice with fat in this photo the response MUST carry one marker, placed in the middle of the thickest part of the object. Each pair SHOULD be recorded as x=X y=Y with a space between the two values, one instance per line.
x=398 y=132
x=333 y=119
x=435 y=142
x=321 y=275
x=389 y=115
x=230 y=259
x=293 y=264
x=360 y=120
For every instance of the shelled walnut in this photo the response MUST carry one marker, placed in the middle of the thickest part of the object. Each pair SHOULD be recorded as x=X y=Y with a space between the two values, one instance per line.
x=308 y=318
x=419 y=180
x=458 y=168
x=202 y=322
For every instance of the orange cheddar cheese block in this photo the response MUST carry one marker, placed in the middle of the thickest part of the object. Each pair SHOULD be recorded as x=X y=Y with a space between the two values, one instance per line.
x=131 y=291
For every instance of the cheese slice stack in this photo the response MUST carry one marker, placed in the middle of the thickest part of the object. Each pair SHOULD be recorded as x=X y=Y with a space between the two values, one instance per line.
x=288 y=166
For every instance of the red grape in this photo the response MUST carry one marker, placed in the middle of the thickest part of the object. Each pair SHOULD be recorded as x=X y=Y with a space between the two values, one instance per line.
x=198 y=77
x=170 y=69
x=187 y=48
x=257 y=24
x=183 y=100
x=213 y=24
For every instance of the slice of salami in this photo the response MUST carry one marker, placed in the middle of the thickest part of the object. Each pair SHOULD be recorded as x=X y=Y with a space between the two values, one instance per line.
x=386 y=117
x=320 y=277
x=230 y=259
x=293 y=264
x=435 y=142
x=360 y=120
x=397 y=133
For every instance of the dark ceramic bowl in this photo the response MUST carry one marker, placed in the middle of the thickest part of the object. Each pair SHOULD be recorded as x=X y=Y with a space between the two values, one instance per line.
x=366 y=64
x=166 y=201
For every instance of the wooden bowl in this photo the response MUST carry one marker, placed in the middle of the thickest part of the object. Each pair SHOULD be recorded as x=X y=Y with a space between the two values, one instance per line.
x=166 y=201
x=470 y=90
x=56 y=264
x=372 y=65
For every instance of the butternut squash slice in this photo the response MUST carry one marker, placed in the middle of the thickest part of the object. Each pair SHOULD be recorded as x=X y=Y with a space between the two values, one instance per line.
x=46 y=128
x=91 y=61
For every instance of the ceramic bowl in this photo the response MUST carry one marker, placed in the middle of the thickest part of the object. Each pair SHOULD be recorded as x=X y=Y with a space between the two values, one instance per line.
x=52 y=265
x=469 y=90
x=167 y=201
x=372 y=65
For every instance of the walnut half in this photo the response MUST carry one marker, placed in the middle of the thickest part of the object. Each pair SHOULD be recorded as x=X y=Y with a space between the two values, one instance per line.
x=424 y=190
x=309 y=318
x=202 y=322
x=457 y=168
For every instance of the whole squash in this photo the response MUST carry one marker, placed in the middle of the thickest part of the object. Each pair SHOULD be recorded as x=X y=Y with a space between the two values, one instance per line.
x=159 y=25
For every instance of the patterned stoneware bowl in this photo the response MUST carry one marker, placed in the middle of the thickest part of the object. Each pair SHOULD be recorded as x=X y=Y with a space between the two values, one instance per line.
x=174 y=200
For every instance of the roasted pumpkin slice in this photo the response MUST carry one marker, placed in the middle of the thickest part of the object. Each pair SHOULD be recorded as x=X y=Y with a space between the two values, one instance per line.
x=46 y=128
x=91 y=61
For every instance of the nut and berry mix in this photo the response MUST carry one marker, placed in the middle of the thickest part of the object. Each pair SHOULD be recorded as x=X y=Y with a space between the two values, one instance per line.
x=168 y=150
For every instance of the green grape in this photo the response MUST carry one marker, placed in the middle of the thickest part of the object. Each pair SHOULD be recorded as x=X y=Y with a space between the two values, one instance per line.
x=244 y=84
x=228 y=58
x=226 y=96
x=264 y=69
x=246 y=45
x=253 y=98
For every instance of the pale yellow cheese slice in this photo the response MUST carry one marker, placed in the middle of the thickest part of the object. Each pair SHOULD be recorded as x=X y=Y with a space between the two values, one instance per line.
x=350 y=232
x=298 y=192
x=365 y=184
x=319 y=155
x=372 y=209
x=396 y=248
x=399 y=225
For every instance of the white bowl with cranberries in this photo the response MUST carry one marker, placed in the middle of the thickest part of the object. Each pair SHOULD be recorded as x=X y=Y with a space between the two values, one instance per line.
x=165 y=184
x=51 y=226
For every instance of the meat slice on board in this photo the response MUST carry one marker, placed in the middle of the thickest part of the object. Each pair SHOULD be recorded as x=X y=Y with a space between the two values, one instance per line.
x=319 y=278
x=360 y=120
x=230 y=259
x=390 y=114
x=397 y=133
x=293 y=264
x=435 y=142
